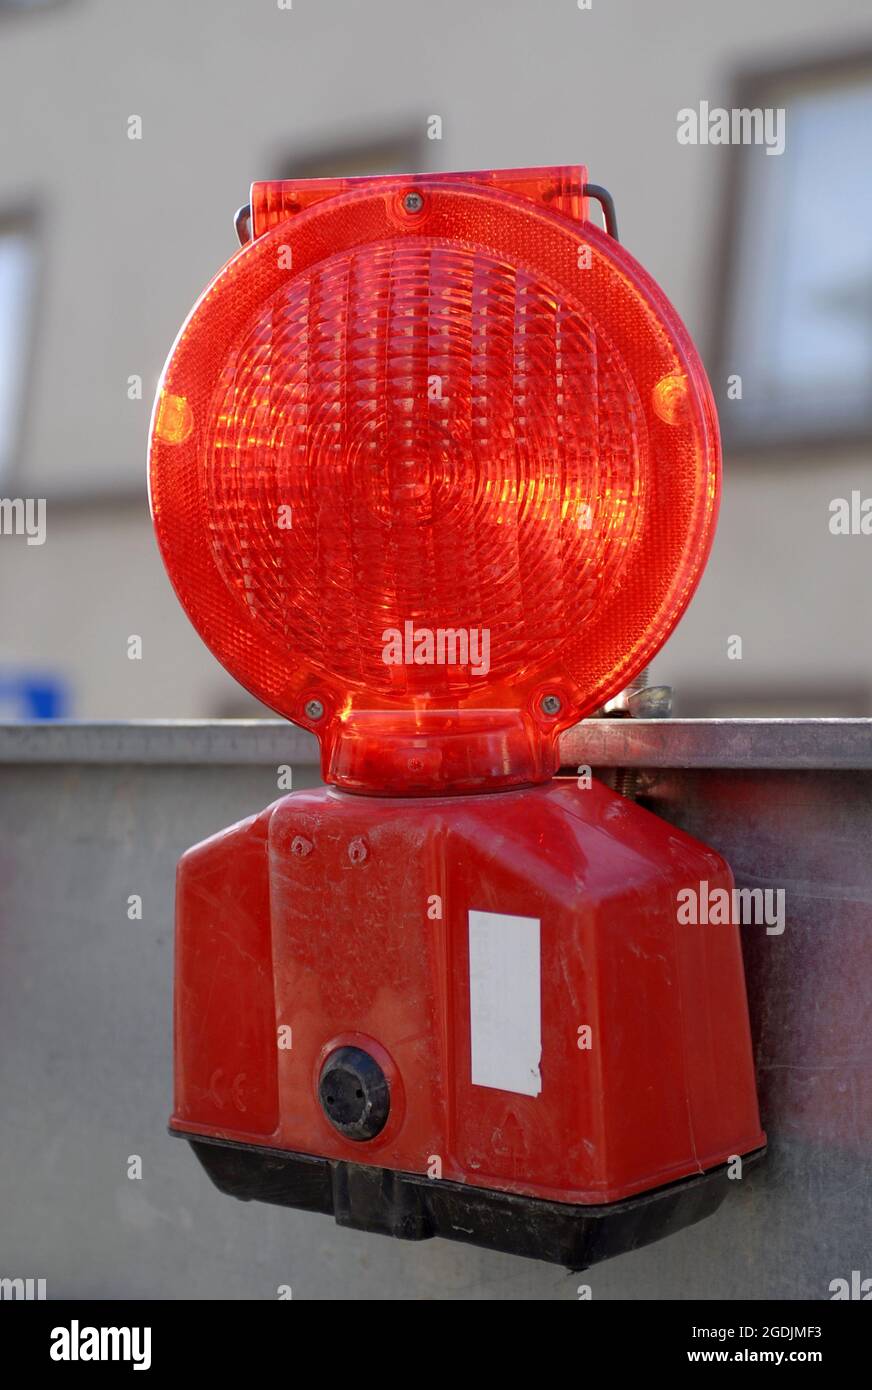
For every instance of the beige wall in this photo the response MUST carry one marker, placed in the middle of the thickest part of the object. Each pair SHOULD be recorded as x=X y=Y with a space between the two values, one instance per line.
x=131 y=231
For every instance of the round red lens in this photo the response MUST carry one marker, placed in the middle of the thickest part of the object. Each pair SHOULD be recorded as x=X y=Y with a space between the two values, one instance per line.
x=423 y=476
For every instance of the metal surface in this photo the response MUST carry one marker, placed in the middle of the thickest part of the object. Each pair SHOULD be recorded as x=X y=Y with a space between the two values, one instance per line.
x=827 y=744
x=654 y=702
x=242 y=223
x=607 y=203
x=92 y=815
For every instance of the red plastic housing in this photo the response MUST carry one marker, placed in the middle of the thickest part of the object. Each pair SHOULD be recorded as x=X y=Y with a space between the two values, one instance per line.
x=434 y=471
x=316 y=917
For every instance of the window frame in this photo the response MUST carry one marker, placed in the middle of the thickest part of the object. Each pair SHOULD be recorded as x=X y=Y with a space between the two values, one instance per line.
x=762 y=87
x=23 y=218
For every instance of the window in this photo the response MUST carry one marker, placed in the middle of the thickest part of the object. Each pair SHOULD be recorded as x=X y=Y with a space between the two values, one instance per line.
x=797 y=309
x=17 y=266
x=402 y=151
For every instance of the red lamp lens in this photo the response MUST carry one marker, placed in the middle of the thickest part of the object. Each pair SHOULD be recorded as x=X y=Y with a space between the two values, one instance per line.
x=428 y=462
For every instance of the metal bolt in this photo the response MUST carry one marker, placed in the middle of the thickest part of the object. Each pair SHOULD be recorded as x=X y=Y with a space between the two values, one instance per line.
x=314 y=710
x=550 y=704
x=413 y=202
x=640 y=681
x=654 y=702
x=627 y=778
x=357 y=851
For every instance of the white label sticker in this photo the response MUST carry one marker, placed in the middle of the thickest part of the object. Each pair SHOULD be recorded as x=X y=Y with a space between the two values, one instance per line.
x=505 y=1002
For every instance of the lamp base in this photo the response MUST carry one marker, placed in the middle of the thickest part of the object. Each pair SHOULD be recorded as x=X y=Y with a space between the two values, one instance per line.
x=413 y=1207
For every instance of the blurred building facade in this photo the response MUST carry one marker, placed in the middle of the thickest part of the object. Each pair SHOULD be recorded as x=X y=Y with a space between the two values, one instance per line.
x=106 y=241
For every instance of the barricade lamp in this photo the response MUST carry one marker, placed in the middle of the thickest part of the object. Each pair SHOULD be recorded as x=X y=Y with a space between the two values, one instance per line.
x=434 y=470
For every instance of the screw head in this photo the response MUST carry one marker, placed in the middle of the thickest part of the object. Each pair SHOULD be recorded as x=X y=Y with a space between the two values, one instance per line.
x=314 y=709
x=550 y=704
x=413 y=202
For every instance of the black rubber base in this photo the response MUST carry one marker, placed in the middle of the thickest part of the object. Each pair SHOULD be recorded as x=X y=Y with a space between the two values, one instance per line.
x=414 y=1207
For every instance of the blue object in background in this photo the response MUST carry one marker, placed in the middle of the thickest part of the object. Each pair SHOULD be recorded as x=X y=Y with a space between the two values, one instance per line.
x=31 y=695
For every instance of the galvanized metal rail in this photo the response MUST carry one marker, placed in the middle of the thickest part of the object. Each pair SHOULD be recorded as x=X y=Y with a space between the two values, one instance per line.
x=649 y=743
x=92 y=814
